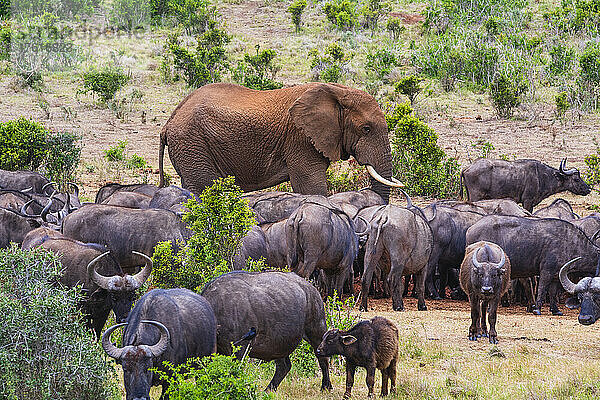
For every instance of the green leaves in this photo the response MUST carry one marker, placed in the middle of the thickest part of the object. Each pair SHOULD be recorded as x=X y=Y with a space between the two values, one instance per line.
x=104 y=82
x=296 y=9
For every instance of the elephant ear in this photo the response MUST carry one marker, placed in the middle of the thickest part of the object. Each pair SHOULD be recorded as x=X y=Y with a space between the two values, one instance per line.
x=318 y=114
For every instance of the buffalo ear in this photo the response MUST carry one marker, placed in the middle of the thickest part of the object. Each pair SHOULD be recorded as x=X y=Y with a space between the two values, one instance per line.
x=572 y=302
x=317 y=113
x=348 y=340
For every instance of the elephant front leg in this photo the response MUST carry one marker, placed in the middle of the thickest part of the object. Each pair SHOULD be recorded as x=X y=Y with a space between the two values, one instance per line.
x=308 y=174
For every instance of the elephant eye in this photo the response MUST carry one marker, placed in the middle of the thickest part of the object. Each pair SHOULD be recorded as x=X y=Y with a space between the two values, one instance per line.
x=366 y=129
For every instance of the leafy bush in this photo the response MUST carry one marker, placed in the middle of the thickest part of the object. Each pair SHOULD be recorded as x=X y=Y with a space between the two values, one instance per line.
x=483 y=148
x=62 y=159
x=296 y=9
x=340 y=315
x=217 y=377
x=342 y=13
x=579 y=16
x=204 y=64
x=23 y=144
x=346 y=176
x=561 y=59
x=410 y=86
x=380 y=63
x=136 y=162
x=64 y=8
x=129 y=14
x=6 y=33
x=330 y=65
x=562 y=104
x=507 y=92
x=105 y=82
x=372 y=10
x=304 y=362
x=589 y=62
x=159 y=9
x=116 y=152
x=46 y=352
x=196 y=16
x=417 y=159
x=592 y=175
x=219 y=220
x=395 y=27
x=258 y=72
x=5 y=9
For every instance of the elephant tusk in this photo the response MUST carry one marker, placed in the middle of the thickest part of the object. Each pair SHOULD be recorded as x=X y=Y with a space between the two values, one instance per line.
x=381 y=179
x=396 y=181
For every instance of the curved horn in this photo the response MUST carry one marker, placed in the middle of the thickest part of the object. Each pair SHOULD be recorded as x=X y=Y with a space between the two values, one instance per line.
x=476 y=263
x=409 y=203
x=29 y=189
x=502 y=260
x=594 y=236
x=47 y=185
x=163 y=342
x=144 y=274
x=108 y=347
x=434 y=211
x=46 y=209
x=564 y=171
x=368 y=226
x=101 y=281
x=24 y=209
x=564 y=279
x=75 y=188
x=381 y=179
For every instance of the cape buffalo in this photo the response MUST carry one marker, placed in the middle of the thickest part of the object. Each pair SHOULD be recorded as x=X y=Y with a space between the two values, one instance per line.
x=538 y=247
x=22 y=180
x=485 y=277
x=586 y=294
x=282 y=307
x=110 y=188
x=124 y=230
x=525 y=181
x=14 y=226
x=319 y=235
x=273 y=206
x=560 y=208
x=371 y=344
x=165 y=325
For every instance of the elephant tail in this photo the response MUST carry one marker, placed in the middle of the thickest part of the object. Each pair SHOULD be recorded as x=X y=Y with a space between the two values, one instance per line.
x=161 y=156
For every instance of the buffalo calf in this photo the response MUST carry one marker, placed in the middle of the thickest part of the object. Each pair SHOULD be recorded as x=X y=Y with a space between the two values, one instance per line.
x=370 y=344
x=484 y=276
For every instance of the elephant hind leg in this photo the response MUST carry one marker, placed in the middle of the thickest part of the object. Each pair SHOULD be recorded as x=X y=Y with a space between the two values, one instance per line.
x=194 y=165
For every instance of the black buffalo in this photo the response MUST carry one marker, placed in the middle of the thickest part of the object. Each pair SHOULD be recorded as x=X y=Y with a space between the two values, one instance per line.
x=586 y=294
x=525 y=181
x=538 y=247
x=165 y=325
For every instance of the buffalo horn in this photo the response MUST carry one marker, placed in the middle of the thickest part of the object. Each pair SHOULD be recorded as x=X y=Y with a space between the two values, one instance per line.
x=562 y=169
x=143 y=275
x=101 y=281
x=564 y=278
x=368 y=225
x=502 y=261
x=75 y=188
x=381 y=179
x=409 y=203
x=110 y=349
x=47 y=185
x=29 y=189
x=434 y=211
x=595 y=236
x=476 y=263
x=163 y=342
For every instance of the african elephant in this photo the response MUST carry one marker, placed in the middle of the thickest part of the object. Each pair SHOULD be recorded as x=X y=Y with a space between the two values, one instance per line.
x=267 y=137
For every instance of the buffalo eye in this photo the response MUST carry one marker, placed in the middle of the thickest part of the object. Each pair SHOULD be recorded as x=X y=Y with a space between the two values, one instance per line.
x=366 y=129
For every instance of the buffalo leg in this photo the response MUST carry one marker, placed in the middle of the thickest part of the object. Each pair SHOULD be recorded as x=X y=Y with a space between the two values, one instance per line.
x=432 y=291
x=483 y=324
x=543 y=285
x=373 y=253
x=395 y=281
x=282 y=367
x=314 y=335
x=553 y=294
x=392 y=375
x=384 y=382
x=419 y=279
x=350 y=371
x=492 y=319
x=473 y=330
x=370 y=380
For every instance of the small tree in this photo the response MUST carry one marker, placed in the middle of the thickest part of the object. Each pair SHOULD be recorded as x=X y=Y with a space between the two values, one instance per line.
x=196 y=16
x=372 y=10
x=105 y=82
x=395 y=27
x=296 y=9
x=410 y=86
x=219 y=220
x=330 y=65
x=507 y=92
x=258 y=72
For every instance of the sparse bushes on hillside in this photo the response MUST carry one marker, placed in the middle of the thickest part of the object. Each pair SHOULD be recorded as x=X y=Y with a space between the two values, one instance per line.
x=395 y=27
x=592 y=175
x=330 y=65
x=129 y=14
x=342 y=13
x=205 y=63
x=66 y=9
x=296 y=9
x=196 y=16
x=507 y=92
x=219 y=221
x=561 y=59
x=417 y=159
x=380 y=63
x=27 y=145
x=372 y=11
x=104 y=82
x=46 y=352
x=258 y=72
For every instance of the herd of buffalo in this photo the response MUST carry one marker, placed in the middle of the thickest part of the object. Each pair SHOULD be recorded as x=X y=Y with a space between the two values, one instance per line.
x=487 y=248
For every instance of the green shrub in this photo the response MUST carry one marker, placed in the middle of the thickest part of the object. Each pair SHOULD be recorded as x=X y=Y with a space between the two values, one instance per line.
x=5 y=9
x=136 y=162
x=66 y=9
x=258 y=72
x=62 y=159
x=129 y=14
x=340 y=315
x=105 y=82
x=372 y=10
x=483 y=148
x=5 y=40
x=342 y=13
x=330 y=65
x=296 y=9
x=204 y=64
x=217 y=377
x=219 y=221
x=592 y=175
x=395 y=27
x=507 y=92
x=46 y=352
x=589 y=62
x=27 y=145
x=304 y=362
x=159 y=9
x=380 y=63
x=23 y=144
x=417 y=159
x=410 y=86
x=562 y=104
x=196 y=16
x=578 y=16
x=561 y=59
x=116 y=152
